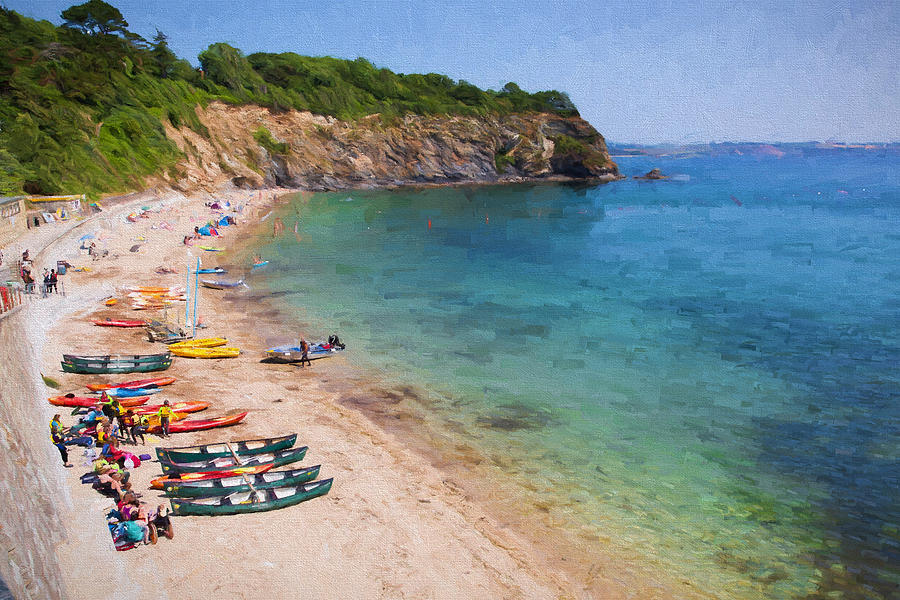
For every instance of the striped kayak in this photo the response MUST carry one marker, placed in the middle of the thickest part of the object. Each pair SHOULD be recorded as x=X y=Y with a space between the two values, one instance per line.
x=204 y=488
x=276 y=459
x=87 y=402
x=186 y=406
x=199 y=343
x=156 y=381
x=123 y=323
x=201 y=424
x=249 y=502
x=176 y=478
x=241 y=448
x=108 y=368
x=288 y=354
x=220 y=352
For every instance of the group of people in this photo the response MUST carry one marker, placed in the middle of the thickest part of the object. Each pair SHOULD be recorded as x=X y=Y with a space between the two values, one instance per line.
x=50 y=277
x=105 y=427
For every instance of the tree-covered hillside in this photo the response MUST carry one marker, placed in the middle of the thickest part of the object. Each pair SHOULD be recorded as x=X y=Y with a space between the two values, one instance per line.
x=82 y=105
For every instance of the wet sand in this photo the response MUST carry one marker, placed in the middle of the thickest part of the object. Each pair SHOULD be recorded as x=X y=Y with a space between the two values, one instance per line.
x=409 y=515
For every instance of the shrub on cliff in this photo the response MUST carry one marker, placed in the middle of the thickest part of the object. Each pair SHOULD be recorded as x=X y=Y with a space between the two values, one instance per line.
x=82 y=106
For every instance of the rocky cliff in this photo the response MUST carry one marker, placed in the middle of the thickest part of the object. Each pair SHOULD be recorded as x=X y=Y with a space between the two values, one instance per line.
x=252 y=147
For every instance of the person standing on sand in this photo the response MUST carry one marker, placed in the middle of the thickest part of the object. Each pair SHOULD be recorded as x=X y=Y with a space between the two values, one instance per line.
x=304 y=352
x=165 y=414
x=58 y=435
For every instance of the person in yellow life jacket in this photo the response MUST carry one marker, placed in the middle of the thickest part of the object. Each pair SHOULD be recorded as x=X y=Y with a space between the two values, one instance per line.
x=141 y=426
x=165 y=414
x=58 y=435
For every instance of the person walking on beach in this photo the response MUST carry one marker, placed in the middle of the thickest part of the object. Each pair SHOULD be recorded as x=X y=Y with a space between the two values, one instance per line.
x=54 y=279
x=58 y=435
x=165 y=414
x=304 y=352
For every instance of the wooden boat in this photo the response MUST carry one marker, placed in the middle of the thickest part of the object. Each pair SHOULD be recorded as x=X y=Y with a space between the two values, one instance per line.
x=221 y=352
x=289 y=354
x=277 y=459
x=221 y=285
x=199 y=343
x=125 y=358
x=205 y=488
x=119 y=323
x=241 y=448
x=186 y=406
x=87 y=402
x=103 y=368
x=201 y=424
x=155 y=381
x=248 y=502
x=176 y=478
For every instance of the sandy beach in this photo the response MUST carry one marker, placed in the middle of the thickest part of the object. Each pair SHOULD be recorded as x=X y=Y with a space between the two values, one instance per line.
x=396 y=524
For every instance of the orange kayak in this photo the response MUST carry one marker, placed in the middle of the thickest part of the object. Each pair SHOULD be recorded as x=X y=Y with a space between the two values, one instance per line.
x=201 y=424
x=188 y=406
x=160 y=482
x=86 y=402
x=140 y=383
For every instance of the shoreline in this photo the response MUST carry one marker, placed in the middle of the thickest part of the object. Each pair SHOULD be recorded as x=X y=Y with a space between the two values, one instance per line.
x=417 y=514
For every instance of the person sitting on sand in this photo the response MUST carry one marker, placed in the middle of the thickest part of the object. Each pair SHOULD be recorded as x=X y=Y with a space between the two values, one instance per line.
x=112 y=477
x=58 y=435
x=161 y=523
x=88 y=420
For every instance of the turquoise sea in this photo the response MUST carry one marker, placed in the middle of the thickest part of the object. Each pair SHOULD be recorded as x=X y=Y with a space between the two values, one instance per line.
x=702 y=371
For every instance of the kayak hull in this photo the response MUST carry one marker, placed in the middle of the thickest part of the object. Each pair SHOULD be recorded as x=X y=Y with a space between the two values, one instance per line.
x=205 y=488
x=250 y=502
x=276 y=459
x=241 y=448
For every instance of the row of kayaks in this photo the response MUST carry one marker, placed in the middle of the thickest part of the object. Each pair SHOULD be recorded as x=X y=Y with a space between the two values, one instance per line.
x=197 y=348
x=237 y=477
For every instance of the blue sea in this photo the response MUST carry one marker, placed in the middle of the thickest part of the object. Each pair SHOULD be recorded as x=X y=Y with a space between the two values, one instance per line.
x=701 y=372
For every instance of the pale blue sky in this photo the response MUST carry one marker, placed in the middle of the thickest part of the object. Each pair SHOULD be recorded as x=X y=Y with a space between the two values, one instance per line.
x=639 y=72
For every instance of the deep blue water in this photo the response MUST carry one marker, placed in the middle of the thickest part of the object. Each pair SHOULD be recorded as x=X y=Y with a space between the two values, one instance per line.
x=709 y=362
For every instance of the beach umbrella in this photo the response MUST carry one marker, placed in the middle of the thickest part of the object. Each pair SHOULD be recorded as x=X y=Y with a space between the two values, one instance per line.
x=87 y=236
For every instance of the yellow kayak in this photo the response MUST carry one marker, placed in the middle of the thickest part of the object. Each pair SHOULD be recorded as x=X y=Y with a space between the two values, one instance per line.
x=221 y=352
x=200 y=343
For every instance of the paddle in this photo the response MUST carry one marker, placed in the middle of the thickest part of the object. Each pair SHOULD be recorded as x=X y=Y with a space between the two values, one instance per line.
x=243 y=475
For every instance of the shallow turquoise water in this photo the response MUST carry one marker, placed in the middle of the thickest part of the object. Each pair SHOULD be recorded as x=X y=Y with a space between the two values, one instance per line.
x=707 y=364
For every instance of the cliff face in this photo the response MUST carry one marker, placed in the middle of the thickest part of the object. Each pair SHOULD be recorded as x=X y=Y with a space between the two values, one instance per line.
x=251 y=147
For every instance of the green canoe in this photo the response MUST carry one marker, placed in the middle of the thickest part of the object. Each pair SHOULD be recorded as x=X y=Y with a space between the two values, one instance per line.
x=250 y=502
x=204 y=488
x=185 y=454
x=225 y=463
x=101 y=368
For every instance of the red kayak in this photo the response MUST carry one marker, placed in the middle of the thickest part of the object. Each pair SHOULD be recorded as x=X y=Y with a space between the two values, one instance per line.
x=123 y=323
x=188 y=406
x=87 y=402
x=160 y=482
x=131 y=385
x=201 y=424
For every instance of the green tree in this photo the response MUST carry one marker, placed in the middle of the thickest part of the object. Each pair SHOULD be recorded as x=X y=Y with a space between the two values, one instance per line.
x=163 y=57
x=95 y=17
